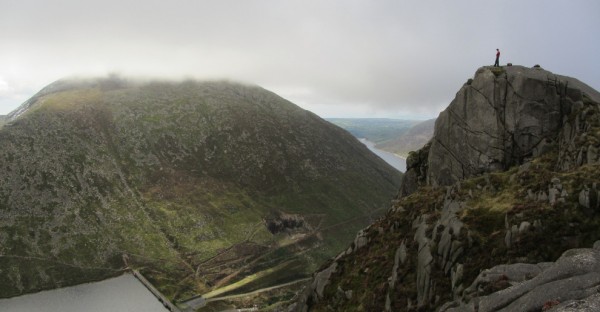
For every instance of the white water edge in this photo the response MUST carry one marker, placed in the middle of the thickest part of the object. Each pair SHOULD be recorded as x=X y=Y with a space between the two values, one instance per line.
x=394 y=160
x=124 y=293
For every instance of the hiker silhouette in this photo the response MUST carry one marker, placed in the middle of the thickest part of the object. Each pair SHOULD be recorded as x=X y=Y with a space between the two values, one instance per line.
x=497 y=63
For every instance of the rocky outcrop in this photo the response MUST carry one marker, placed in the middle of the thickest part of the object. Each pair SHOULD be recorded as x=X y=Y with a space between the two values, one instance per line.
x=502 y=118
x=509 y=182
x=284 y=222
x=439 y=245
x=589 y=198
x=572 y=282
x=416 y=171
x=578 y=140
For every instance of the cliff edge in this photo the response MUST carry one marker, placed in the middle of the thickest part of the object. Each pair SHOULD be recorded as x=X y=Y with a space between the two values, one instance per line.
x=500 y=118
x=507 y=185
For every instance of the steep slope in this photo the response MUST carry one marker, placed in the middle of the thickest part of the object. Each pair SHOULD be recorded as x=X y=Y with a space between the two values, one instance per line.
x=411 y=140
x=198 y=184
x=510 y=177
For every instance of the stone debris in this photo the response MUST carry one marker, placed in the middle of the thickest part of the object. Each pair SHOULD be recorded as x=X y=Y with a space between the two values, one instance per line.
x=572 y=281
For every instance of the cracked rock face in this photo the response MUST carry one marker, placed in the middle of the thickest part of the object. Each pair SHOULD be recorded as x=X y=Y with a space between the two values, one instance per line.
x=498 y=120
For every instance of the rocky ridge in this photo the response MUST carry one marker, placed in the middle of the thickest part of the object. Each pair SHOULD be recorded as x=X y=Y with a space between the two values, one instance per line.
x=508 y=182
x=502 y=118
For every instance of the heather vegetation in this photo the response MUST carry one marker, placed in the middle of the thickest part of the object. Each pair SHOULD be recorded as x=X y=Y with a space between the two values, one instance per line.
x=177 y=180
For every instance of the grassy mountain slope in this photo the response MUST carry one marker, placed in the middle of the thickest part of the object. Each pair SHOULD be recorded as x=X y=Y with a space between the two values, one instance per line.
x=197 y=184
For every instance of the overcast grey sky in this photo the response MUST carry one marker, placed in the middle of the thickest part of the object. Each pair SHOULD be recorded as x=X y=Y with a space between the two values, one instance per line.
x=337 y=58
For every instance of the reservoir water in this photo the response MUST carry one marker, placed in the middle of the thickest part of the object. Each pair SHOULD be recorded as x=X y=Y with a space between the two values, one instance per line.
x=395 y=161
x=124 y=293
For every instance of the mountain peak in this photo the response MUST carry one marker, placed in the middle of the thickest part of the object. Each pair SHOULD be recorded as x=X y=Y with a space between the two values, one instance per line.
x=500 y=118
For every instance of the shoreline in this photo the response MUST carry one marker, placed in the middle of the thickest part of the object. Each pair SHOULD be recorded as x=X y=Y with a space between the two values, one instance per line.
x=392 y=159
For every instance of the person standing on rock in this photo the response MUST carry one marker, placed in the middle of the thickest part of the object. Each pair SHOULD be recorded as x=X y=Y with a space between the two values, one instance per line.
x=497 y=62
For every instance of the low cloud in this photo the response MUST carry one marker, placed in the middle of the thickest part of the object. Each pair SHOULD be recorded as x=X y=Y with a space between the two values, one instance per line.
x=383 y=58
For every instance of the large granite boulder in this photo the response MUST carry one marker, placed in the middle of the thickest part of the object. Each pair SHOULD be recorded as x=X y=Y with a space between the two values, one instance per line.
x=498 y=119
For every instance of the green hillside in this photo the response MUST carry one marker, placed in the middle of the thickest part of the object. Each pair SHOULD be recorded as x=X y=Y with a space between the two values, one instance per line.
x=198 y=184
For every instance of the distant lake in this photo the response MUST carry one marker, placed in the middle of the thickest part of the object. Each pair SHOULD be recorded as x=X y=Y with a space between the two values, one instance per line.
x=395 y=161
x=124 y=293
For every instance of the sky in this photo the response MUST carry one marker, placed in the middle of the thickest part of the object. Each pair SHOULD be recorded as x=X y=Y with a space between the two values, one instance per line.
x=337 y=58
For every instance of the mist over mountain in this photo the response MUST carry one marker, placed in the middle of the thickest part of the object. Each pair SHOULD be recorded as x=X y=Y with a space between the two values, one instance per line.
x=198 y=184
x=500 y=211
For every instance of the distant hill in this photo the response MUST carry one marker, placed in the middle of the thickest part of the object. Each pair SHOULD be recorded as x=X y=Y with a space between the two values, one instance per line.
x=410 y=140
x=396 y=136
x=198 y=184
x=376 y=130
